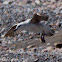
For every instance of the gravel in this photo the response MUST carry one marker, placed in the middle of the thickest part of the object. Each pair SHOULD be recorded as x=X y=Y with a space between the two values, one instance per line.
x=15 y=11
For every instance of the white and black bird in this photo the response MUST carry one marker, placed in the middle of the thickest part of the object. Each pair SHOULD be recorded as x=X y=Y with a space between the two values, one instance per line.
x=35 y=25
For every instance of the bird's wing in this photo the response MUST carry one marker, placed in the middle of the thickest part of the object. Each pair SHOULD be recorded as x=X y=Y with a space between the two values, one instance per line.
x=11 y=31
x=16 y=29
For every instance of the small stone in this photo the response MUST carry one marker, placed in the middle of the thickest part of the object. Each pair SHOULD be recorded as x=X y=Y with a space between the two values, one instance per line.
x=0 y=23
x=3 y=43
x=45 y=58
x=28 y=1
x=31 y=37
x=14 y=60
x=36 y=39
x=19 y=35
x=25 y=60
x=56 y=31
x=34 y=50
x=24 y=31
x=37 y=60
x=4 y=59
x=0 y=41
x=58 y=45
x=44 y=50
x=2 y=30
x=61 y=22
x=50 y=48
x=31 y=33
x=21 y=50
x=9 y=42
x=10 y=2
x=60 y=10
x=6 y=2
x=20 y=39
x=57 y=0
x=48 y=44
x=31 y=46
x=33 y=4
x=37 y=2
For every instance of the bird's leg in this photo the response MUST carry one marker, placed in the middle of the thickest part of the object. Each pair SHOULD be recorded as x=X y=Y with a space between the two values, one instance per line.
x=42 y=38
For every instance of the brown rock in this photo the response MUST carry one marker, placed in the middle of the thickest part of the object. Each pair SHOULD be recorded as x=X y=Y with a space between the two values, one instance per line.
x=31 y=46
x=58 y=45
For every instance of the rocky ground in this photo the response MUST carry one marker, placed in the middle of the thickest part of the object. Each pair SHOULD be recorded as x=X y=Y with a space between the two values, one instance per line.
x=27 y=47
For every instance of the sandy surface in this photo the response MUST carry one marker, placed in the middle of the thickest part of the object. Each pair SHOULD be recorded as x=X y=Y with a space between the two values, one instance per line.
x=56 y=38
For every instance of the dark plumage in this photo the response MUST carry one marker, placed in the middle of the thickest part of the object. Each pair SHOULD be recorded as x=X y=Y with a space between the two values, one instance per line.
x=37 y=18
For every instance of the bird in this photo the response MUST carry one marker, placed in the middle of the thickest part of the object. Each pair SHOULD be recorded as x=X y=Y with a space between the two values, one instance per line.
x=34 y=24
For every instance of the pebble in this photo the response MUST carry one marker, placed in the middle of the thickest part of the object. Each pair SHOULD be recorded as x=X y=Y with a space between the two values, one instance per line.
x=48 y=44
x=31 y=37
x=34 y=50
x=37 y=2
x=0 y=23
x=26 y=60
x=0 y=41
x=24 y=31
x=56 y=31
x=2 y=30
x=3 y=43
x=4 y=59
x=36 y=60
x=20 y=39
x=14 y=60
x=60 y=10
x=31 y=46
x=36 y=38
x=33 y=4
x=6 y=2
x=20 y=51
x=58 y=45
x=9 y=42
x=50 y=48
